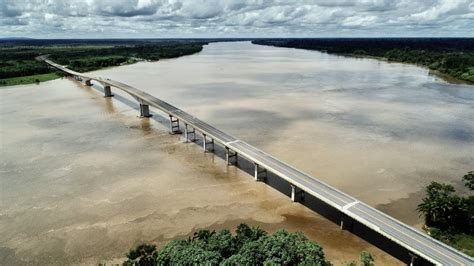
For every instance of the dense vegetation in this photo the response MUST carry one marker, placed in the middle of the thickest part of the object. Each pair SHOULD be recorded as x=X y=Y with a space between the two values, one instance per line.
x=449 y=217
x=451 y=56
x=248 y=246
x=17 y=59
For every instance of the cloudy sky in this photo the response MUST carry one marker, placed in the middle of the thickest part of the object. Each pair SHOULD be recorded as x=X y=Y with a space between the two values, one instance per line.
x=234 y=18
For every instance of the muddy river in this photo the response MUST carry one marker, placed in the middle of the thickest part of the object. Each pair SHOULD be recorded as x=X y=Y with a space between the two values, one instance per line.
x=83 y=179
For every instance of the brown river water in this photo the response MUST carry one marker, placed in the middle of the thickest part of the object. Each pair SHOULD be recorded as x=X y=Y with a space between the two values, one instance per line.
x=83 y=179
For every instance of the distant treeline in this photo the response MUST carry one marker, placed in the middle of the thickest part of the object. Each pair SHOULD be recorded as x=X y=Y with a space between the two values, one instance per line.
x=113 y=41
x=17 y=58
x=452 y=56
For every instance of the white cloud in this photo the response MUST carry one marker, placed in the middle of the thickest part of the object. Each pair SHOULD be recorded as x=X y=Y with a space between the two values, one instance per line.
x=441 y=8
x=358 y=21
x=235 y=18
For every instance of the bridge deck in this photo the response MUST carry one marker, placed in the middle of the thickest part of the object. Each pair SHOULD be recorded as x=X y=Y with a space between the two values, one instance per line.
x=416 y=242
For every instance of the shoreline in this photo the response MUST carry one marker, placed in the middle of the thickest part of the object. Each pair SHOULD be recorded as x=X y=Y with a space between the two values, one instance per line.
x=444 y=76
x=38 y=78
x=31 y=79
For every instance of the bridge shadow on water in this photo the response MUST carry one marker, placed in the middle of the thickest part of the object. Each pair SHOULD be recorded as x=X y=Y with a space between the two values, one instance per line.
x=284 y=187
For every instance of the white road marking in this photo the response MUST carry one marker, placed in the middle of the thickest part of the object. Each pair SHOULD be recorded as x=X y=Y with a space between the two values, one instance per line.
x=230 y=142
x=347 y=206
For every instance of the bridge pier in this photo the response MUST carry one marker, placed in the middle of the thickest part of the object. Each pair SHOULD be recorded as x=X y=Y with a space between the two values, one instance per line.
x=204 y=143
x=107 y=91
x=174 y=126
x=88 y=82
x=187 y=132
x=229 y=155
x=296 y=193
x=293 y=192
x=257 y=172
x=346 y=224
x=413 y=259
x=144 y=110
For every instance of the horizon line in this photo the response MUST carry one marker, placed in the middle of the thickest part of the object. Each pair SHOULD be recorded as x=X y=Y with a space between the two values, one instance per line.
x=187 y=38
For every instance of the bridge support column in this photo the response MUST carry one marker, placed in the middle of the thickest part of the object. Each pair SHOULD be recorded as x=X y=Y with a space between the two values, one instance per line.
x=144 y=110
x=174 y=126
x=205 y=142
x=187 y=132
x=107 y=91
x=229 y=156
x=88 y=82
x=293 y=192
x=257 y=172
x=413 y=259
x=346 y=223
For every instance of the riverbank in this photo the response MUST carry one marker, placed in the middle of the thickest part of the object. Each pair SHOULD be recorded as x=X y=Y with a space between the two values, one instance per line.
x=450 y=59
x=18 y=64
x=28 y=79
x=446 y=77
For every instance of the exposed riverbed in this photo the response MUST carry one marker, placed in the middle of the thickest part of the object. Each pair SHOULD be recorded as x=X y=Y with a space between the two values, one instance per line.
x=83 y=179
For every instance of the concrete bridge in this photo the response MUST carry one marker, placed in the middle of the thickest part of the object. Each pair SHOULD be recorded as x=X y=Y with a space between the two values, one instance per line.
x=421 y=248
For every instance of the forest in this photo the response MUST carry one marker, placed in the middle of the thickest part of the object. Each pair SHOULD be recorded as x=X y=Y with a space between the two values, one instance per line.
x=450 y=56
x=17 y=59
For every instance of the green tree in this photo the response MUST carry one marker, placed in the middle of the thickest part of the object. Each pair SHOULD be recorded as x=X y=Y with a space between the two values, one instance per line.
x=470 y=214
x=281 y=248
x=469 y=180
x=142 y=255
x=251 y=253
x=245 y=233
x=437 y=206
x=249 y=246
x=222 y=242
x=166 y=252
x=366 y=259
x=446 y=211
x=195 y=255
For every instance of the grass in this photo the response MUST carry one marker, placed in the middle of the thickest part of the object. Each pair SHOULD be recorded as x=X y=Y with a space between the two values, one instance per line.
x=28 y=79
x=460 y=241
x=463 y=243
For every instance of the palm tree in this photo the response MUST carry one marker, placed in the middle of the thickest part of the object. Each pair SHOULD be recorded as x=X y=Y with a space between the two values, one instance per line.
x=438 y=205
